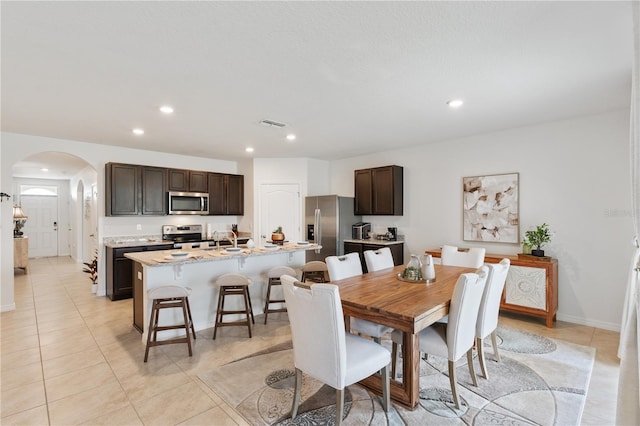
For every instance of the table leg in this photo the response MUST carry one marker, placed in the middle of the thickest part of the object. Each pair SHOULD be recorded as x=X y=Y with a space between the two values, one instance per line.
x=411 y=368
x=406 y=392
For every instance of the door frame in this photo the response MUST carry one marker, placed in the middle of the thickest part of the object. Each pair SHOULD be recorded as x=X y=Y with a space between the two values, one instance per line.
x=261 y=209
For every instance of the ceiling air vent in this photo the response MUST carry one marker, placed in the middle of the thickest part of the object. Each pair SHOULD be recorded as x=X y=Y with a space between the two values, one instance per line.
x=271 y=123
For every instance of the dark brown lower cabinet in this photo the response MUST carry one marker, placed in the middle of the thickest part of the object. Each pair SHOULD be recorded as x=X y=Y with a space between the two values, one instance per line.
x=397 y=251
x=119 y=272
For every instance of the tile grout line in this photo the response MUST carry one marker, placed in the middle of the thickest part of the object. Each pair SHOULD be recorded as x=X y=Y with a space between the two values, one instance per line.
x=115 y=376
x=35 y=311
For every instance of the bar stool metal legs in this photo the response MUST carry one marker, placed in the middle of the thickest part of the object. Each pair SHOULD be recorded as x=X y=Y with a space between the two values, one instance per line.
x=273 y=276
x=233 y=285
x=165 y=297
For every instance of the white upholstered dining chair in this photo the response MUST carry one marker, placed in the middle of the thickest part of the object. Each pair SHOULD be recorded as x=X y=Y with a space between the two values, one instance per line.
x=455 y=338
x=347 y=266
x=378 y=259
x=472 y=258
x=489 y=310
x=321 y=347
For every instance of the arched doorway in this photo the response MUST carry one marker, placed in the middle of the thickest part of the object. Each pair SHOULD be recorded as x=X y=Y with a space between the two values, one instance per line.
x=74 y=182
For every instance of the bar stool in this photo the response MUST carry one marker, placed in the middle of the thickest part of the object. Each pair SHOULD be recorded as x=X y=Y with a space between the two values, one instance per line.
x=273 y=276
x=163 y=297
x=233 y=285
x=315 y=271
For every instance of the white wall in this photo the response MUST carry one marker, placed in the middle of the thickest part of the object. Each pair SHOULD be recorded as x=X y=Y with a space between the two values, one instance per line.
x=80 y=241
x=574 y=175
x=15 y=147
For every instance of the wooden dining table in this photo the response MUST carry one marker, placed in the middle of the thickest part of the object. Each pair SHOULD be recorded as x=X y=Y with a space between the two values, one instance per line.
x=407 y=306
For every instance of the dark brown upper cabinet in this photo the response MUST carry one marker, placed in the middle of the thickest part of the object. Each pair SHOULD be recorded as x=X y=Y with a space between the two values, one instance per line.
x=187 y=181
x=133 y=190
x=226 y=194
x=379 y=191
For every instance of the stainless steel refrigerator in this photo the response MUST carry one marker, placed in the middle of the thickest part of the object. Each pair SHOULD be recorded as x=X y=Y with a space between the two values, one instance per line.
x=328 y=220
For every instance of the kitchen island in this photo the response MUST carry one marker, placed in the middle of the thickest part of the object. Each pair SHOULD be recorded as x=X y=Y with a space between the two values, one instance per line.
x=199 y=269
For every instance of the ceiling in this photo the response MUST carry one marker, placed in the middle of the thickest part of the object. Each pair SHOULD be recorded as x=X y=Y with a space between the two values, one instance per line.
x=347 y=78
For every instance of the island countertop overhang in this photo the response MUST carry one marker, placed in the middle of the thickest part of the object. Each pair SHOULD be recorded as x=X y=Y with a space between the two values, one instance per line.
x=198 y=255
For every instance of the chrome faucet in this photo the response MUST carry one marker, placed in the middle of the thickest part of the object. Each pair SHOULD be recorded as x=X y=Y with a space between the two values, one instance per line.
x=234 y=241
x=216 y=238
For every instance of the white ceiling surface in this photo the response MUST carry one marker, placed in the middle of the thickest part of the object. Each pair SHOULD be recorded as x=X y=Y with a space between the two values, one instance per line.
x=347 y=78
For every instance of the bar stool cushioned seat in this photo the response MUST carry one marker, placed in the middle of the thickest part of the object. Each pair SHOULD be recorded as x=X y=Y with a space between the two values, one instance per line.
x=315 y=271
x=233 y=285
x=273 y=279
x=163 y=297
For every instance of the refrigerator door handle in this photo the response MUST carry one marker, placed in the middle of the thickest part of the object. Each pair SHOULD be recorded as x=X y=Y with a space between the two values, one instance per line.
x=316 y=227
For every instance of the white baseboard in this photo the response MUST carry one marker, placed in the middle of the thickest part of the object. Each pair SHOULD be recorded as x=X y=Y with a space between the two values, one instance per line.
x=588 y=322
x=9 y=307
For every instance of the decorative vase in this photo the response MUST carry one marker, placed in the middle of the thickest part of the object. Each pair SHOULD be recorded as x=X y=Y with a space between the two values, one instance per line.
x=413 y=271
x=537 y=252
x=428 y=270
x=94 y=288
x=277 y=237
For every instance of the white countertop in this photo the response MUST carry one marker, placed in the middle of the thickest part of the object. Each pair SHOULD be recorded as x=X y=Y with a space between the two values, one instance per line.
x=197 y=255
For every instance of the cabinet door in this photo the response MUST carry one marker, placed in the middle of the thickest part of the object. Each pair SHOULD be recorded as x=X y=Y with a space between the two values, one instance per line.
x=123 y=189
x=198 y=181
x=382 y=180
x=363 y=192
x=154 y=191
x=527 y=287
x=123 y=278
x=387 y=190
x=235 y=195
x=178 y=180
x=217 y=204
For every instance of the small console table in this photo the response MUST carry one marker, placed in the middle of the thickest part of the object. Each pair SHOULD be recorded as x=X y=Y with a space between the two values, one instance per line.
x=21 y=253
x=531 y=287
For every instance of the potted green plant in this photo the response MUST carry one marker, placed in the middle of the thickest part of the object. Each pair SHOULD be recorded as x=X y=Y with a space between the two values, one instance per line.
x=277 y=235
x=536 y=238
x=92 y=270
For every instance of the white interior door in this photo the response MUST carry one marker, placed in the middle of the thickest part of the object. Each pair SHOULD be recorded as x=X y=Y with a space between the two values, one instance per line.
x=42 y=224
x=280 y=205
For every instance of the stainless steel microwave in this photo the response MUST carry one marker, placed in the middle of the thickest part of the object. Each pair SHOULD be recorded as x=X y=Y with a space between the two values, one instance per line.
x=188 y=203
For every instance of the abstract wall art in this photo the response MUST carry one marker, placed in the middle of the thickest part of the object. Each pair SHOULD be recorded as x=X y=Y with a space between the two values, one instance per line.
x=490 y=208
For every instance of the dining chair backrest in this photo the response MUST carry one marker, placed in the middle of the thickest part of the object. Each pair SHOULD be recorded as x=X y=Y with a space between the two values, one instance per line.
x=378 y=259
x=463 y=312
x=472 y=258
x=490 y=304
x=346 y=266
x=317 y=330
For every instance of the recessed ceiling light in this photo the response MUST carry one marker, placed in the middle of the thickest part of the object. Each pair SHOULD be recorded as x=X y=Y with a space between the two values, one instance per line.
x=455 y=103
x=138 y=131
x=291 y=137
x=44 y=169
x=249 y=149
x=166 y=109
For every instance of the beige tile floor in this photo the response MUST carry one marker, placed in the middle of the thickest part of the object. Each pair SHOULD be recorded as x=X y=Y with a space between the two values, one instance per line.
x=69 y=357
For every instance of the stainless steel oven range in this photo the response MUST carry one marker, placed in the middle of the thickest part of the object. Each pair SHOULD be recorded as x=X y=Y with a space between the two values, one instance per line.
x=182 y=233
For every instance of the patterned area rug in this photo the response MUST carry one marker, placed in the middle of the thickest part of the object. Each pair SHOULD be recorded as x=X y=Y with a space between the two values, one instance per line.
x=540 y=381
